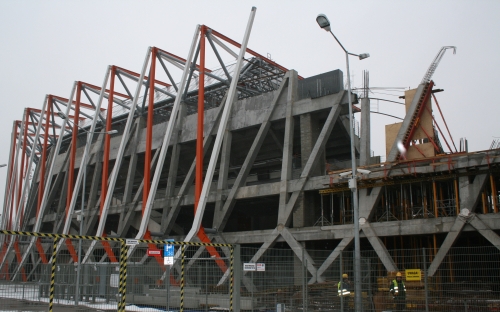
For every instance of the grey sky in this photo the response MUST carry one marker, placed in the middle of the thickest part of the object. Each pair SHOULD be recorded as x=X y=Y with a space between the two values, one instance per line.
x=46 y=45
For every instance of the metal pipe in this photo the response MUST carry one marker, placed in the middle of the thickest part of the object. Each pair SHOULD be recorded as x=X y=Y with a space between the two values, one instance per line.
x=199 y=132
x=107 y=141
x=21 y=168
x=220 y=133
x=166 y=142
x=44 y=157
x=354 y=189
x=119 y=157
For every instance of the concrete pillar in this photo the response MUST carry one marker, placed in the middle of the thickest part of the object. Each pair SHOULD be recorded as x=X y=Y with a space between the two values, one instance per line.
x=365 y=148
x=309 y=132
x=223 y=174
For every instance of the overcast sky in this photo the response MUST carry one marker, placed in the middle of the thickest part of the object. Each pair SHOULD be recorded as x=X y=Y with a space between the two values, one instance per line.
x=47 y=45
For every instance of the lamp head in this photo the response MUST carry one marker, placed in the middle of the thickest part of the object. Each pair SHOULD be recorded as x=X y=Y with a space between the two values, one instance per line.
x=112 y=132
x=362 y=56
x=323 y=22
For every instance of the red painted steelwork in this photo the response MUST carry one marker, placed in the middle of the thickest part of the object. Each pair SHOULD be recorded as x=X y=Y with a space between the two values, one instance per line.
x=72 y=156
x=199 y=131
x=149 y=130
x=21 y=168
x=72 y=153
x=11 y=185
x=199 y=149
x=181 y=59
x=418 y=114
x=43 y=161
x=91 y=86
x=19 y=258
x=444 y=120
x=81 y=104
x=108 y=250
x=41 y=183
x=236 y=44
x=41 y=252
x=145 y=77
x=105 y=162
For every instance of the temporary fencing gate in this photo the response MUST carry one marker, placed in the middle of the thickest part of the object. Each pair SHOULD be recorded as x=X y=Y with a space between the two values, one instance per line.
x=117 y=273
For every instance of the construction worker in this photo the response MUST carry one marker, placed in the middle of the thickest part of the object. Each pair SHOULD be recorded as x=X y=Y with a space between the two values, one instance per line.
x=344 y=291
x=398 y=291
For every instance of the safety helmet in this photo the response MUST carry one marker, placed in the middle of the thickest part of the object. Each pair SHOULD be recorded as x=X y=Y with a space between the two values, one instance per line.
x=344 y=275
x=398 y=274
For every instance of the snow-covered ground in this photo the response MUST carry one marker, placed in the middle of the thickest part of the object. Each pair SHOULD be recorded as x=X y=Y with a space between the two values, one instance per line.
x=30 y=292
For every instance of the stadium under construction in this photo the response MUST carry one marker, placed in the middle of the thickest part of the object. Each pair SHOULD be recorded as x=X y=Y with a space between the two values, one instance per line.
x=250 y=154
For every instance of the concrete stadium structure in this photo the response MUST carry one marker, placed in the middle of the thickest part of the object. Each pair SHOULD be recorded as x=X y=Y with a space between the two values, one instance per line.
x=276 y=152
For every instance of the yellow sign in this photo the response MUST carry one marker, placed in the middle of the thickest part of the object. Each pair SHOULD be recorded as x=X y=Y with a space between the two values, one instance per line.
x=413 y=275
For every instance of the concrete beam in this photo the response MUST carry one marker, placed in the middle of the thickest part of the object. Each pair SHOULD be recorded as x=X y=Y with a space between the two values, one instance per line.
x=446 y=245
x=284 y=215
x=485 y=230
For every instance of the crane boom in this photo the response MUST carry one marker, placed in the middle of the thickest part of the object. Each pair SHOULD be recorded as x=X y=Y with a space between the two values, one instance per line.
x=435 y=63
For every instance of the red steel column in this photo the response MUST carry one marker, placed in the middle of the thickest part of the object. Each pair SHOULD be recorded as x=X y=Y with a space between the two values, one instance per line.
x=149 y=130
x=72 y=160
x=41 y=183
x=74 y=141
x=199 y=149
x=105 y=162
x=11 y=183
x=44 y=154
x=21 y=168
x=107 y=139
x=201 y=109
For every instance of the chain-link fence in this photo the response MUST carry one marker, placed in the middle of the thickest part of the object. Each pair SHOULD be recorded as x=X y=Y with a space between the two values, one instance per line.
x=468 y=279
x=112 y=274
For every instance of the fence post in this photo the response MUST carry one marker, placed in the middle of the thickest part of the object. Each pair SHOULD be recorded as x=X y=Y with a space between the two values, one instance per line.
x=341 y=271
x=53 y=274
x=181 y=307
x=425 y=281
x=122 y=287
x=236 y=282
x=303 y=280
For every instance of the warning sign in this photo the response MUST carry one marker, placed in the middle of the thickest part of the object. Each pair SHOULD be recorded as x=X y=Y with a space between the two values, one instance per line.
x=413 y=274
x=249 y=266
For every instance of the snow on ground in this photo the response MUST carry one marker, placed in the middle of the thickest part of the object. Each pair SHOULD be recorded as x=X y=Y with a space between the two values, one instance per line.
x=30 y=292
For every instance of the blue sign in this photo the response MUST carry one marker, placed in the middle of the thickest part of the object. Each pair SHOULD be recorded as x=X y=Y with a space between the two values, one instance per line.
x=168 y=250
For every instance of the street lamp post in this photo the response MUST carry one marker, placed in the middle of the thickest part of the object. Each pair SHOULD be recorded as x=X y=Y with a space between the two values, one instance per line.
x=324 y=23
x=82 y=211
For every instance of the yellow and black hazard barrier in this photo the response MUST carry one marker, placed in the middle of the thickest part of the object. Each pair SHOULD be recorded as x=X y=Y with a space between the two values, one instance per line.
x=123 y=276
x=181 y=307
x=53 y=275
x=122 y=287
